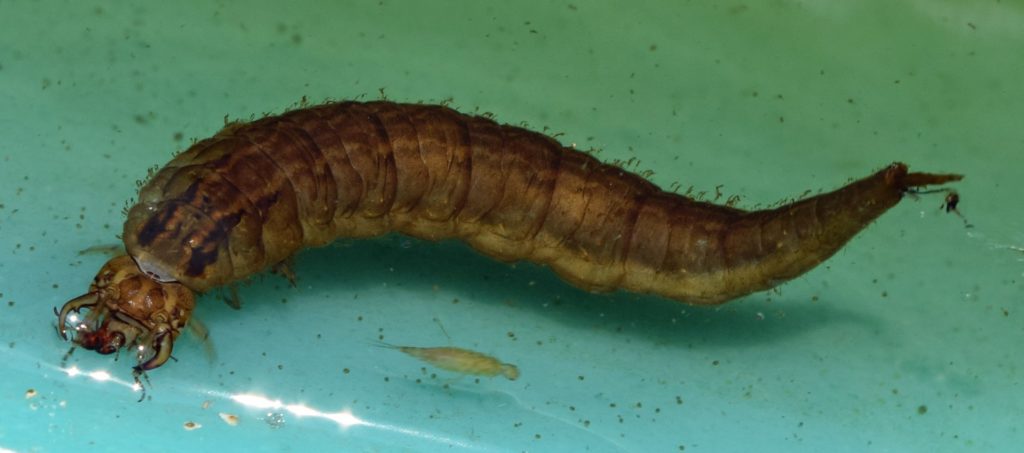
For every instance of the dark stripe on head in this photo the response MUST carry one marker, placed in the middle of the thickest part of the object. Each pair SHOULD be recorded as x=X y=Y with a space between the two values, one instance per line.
x=156 y=225
x=159 y=224
x=201 y=258
x=206 y=253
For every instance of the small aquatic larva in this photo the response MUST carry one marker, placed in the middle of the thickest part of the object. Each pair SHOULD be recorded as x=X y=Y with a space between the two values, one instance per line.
x=189 y=426
x=253 y=195
x=459 y=360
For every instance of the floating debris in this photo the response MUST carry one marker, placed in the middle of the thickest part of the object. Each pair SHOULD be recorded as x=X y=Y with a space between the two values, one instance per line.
x=230 y=419
x=189 y=426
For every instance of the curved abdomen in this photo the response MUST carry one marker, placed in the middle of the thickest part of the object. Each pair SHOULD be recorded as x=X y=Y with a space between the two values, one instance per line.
x=256 y=193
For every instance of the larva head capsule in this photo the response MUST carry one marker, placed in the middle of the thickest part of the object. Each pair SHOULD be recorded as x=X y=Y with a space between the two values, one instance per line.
x=128 y=308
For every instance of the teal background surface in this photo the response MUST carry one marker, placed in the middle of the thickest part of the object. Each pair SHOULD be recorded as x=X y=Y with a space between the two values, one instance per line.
x=907 y=340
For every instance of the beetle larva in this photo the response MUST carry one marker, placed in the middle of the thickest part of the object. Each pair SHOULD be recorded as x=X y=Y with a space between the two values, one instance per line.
x=255 y=194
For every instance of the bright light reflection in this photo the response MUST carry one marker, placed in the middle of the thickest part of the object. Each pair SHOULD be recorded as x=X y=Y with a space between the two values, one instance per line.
x=301 y=411
x=257 y=401
x=344 y=418
x=100 y=376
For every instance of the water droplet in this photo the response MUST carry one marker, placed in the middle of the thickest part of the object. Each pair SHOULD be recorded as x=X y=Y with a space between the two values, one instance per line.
x=275 y=419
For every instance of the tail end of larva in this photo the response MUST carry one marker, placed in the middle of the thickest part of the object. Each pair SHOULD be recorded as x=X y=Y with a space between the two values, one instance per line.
x=510 y=371
x=771 y=246
x=382 y=344
x=929 y=179
x=897 y=175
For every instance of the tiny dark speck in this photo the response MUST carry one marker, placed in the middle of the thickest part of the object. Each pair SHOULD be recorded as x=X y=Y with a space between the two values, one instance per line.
x=922 y=409
x=178 y=136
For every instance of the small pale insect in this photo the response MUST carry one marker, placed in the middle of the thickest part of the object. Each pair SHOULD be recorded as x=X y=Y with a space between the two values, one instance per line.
x=189 y=426
x=459 y=360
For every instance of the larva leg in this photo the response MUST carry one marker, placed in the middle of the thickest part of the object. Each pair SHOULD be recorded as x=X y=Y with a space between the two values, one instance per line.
x=232 y=298
x=202 y=334
x=286 y=269
x=110 y=250
x=67 y=356
x=139 y=375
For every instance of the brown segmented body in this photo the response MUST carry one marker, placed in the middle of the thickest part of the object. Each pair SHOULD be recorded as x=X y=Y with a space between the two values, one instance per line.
x=254 y=194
